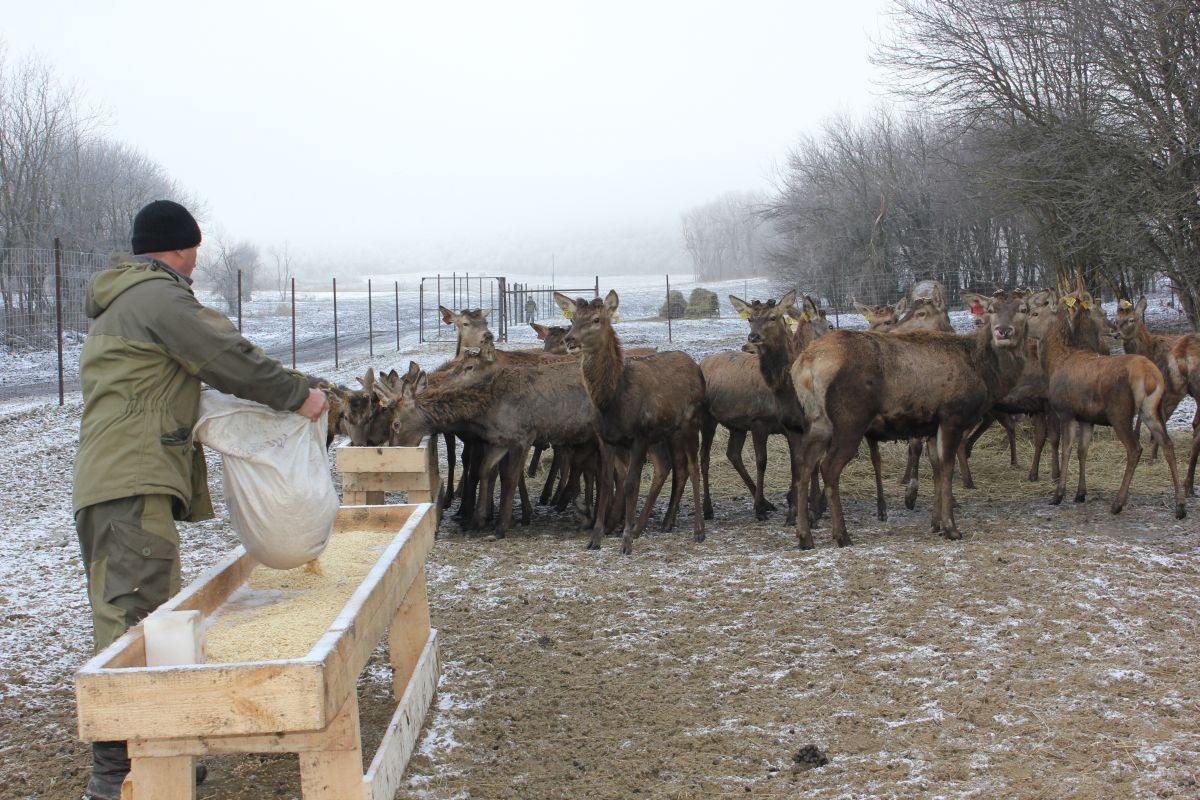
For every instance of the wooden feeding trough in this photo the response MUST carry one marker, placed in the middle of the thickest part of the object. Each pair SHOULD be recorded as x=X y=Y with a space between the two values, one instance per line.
x=369 y=472
x=307 y=705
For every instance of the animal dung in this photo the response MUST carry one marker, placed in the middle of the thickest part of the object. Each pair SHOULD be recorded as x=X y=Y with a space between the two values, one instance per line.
x=280 y=614
x=810 y=757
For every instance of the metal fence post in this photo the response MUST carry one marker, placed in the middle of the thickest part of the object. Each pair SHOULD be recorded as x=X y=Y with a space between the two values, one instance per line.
x=421 y=312
x=239 y=300
x=293 y=323
x=668 y=308
x=58 y=319
x=335 y=330
x=597 y=286
x=397 y=316
x=370 y=323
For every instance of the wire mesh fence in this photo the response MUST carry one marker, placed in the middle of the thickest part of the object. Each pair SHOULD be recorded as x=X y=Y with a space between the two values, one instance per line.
x=35 y=286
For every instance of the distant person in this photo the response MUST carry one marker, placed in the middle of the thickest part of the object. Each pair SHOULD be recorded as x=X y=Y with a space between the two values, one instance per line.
x=150 y=345
x=530 y=310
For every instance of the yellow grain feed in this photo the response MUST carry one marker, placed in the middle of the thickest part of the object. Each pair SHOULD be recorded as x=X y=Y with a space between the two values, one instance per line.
x=279 y=614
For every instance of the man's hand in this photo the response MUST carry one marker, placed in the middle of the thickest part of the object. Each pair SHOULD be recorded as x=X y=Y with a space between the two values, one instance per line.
x=316 y=405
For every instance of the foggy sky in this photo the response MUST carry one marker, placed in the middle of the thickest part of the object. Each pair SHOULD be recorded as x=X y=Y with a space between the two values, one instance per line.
x=361 y=125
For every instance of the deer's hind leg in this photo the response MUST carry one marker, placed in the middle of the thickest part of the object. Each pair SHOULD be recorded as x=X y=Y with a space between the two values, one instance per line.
x=1086 y=429
x=708 y=429
x=877 y=466
x=762 y=506
x=1127 y=434
x=1158 y=430
x=841 y=450
x=1066 y=428
x=912 y=469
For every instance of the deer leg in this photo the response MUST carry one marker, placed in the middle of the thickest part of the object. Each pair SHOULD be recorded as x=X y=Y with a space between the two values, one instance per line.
x=633 y=481
x=877 y=466
x=948 y=444
x=535 y=461
x=470 y=479
x=806 y=453
x=835 y=461
x=1054 y=429
x=556 y=461
x=616 y=506
x=568 y=479
x=659 y=461
x=1081 y=446
x=733 y=451
x=915 y=445
x=1039 y=442
x=980 y=429
x=488 y=468
x=603 y=491
x=692 y=457
x=1190 y=482
x=448 y=494
x=512 y=478
x=1067 y=428
x=708 y=429
x=1158 y=430
x=758 y=438
x=679 y=476
x=1010 y=430
x=965 y=468
x=526 y=507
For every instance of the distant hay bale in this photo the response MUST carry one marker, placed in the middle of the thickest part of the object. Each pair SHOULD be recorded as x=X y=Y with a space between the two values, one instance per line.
x=678 y=306
x=702 y=304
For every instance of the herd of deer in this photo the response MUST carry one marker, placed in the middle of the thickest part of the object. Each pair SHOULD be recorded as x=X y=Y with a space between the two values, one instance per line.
x=605 y=410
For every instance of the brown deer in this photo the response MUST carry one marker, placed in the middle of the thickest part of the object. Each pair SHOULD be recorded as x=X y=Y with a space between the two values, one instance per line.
x=1167 y=354
x=638 y=402
x=1087 y=389
x=879 y=318
x=361 y=417
x=854 y=384
x=777 y=345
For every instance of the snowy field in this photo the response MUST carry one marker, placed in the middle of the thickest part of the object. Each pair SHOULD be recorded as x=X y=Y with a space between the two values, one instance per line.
x=1049 y=654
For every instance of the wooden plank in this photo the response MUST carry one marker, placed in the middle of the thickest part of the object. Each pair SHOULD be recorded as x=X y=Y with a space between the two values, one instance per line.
x=356 y=499
x=384 y=481
x=335 y=774
x=346 y=647
x=339 y=735
x=380 y=459
x=373 y=518
x=160 y=778
x=408 y=633
x=201 y=700
x=382 y=780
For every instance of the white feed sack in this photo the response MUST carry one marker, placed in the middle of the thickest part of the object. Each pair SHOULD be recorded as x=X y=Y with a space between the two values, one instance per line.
x=277 y=484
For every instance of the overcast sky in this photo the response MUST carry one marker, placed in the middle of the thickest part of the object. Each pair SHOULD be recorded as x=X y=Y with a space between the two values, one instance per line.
x=380 y=123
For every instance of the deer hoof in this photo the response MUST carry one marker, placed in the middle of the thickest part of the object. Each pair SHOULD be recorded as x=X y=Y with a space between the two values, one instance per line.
x=1116 y=508
x=759 y=515
x=593 y=545
x=881 y=513
x=698 y=537
x=1180 y=511
x=952 y=534
x=708 y=513
x=806 y=545
x=1080 y=497
x=968 y=484
x=1033 y=477
x=626 y=549
x=844 y=542
x=1056 y=499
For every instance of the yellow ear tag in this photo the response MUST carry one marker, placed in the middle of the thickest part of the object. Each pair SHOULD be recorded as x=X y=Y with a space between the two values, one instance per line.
x=1086 y=305
x=567 y=313
x=1069 y=301
x=793 y=325
x=805 y=317
x=745 y=314
x=1126 y=304
x=867 y=316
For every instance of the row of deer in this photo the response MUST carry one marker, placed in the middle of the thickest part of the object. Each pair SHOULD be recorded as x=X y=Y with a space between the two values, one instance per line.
x=909 y=377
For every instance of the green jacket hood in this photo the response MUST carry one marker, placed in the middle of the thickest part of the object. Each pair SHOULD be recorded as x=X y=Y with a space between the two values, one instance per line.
x=109 y=284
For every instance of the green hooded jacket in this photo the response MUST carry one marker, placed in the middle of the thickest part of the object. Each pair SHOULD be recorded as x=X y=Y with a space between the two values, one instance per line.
x=150 y=345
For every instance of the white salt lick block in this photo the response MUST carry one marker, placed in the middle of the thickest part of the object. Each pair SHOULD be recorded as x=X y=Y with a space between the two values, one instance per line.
x=173 y=637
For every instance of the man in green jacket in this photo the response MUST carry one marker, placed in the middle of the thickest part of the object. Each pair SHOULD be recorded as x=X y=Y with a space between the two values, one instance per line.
x=149 y=347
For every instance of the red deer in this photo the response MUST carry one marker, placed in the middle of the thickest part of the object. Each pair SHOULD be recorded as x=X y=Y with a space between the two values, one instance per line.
x=879 y=318
x=1088 y=389
x=777 y=347
x=853 y=384
x=638 y=402
x=1169 y=354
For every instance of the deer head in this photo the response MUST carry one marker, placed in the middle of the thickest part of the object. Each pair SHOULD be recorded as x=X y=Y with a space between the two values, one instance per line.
x=1129 y=315
x=553 y=335
x=471 y=324
x=1006 y=317
x=880 y=319
x=591 y=321
x=768 y=321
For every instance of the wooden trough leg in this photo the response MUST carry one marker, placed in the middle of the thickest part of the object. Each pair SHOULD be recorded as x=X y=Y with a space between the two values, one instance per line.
x=335 y=774
x=157 y=778
x=408 y=634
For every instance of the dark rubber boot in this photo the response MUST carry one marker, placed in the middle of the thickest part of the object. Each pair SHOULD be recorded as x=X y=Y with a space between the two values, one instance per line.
x=110 y=765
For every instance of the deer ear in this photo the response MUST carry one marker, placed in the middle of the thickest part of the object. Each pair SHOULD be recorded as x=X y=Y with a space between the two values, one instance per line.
x=413 y=370
x=810 y=305
x=483 y=312
x=740 y=306
x=368 y=380
x=788 y=299
x=866 y=311
x=540 y=330
x=565 y=303
x=611 y=301
x=447 y=315
x=1140 y=308
x=935 y=297
x=901 y=306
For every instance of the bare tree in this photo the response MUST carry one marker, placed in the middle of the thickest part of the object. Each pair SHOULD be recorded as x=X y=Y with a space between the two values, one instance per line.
x=223 y=260
x=726 y=237
x=281 y=269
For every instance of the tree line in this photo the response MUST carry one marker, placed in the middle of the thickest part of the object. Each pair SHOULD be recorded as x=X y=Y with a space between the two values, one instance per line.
x=1028 y=142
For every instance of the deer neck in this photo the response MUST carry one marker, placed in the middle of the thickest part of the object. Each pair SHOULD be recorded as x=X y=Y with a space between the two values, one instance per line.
x=603 y=370
x=999 y=368
x=445 y=408
x=1056 y=345
x=1142 y=343
x=775 y=361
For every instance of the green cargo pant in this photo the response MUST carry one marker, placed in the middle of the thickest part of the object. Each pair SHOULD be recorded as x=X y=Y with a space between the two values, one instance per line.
x=130 y=553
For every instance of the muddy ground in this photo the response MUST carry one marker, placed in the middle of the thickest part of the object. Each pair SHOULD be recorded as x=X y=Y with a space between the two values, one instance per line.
x=1050 y=654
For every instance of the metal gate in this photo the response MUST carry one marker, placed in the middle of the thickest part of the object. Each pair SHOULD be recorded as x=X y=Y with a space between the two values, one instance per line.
x=458 y=291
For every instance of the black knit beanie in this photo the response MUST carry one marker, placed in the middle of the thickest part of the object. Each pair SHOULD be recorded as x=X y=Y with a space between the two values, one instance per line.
x=164 y=225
